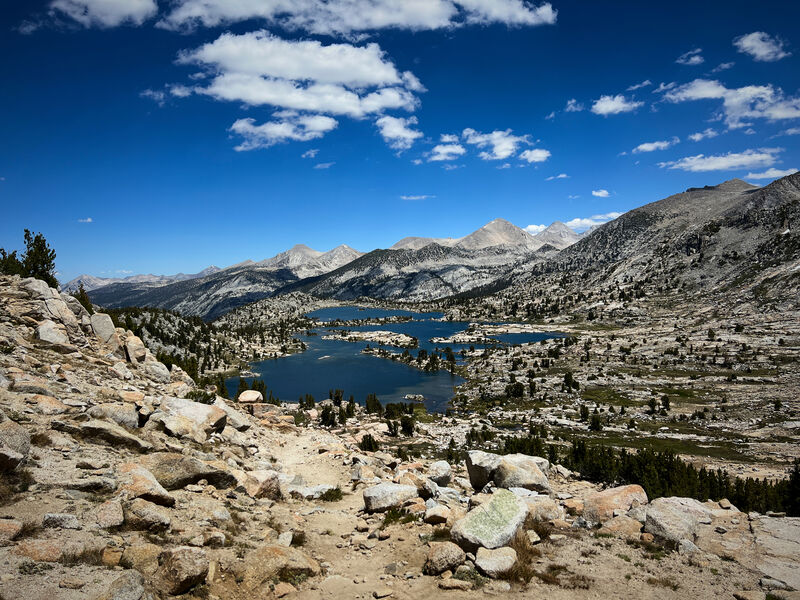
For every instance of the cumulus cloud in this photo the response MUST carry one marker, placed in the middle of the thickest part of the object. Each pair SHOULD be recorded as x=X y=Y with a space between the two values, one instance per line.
x=771 y=174
x=289 y=127
x=442 y=152
x=500 y=144
x=703 y=135
x=417 y=197
x=691 y=58
x=310 y=153
x=638 y=86
x=653 y=146
x=86 y=220
x=397 y=131
x=349 y=17
x=749 y=159
x=534 y=229
x=534 y=155
x=600 y=193
x=105 y=13
x=449 y=138
x=573 y=106
x=614 y=105
x=258 y=68
x=581 y=224
x=740 y=104
x=559 y=176
x=761 y=46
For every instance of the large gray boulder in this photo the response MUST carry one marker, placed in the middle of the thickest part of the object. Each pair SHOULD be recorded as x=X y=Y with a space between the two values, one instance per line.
x=181 y=569
x=103 y=327
x=495 y=563
x=137 y=482
x=52 y=333
x=113 y=434
x=266 y=562
x=382 y=497
x=157 y=371
x=121 y=414
x=443 y=556
x=174 y=471
x=128 y=586
x=600 y=506
x=493 y=524
x=185 y=418
x=440 y=472
x=135 y=351
x=481 y=467
x=520 y=471
x=675 y=519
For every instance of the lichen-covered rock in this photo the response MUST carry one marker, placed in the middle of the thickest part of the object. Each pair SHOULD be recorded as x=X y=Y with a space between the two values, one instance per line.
x=492 y=524
x=15 y=444
x=125 y=415
x=382 y=497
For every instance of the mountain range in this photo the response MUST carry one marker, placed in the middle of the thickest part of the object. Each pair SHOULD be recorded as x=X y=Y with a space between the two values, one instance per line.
x=732 y=235
x=415 y=268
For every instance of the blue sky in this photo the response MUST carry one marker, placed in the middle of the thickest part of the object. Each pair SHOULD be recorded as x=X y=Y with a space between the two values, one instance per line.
x=145 y=136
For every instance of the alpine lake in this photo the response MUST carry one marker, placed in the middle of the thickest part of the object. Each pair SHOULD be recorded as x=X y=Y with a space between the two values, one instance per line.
x=329 y=364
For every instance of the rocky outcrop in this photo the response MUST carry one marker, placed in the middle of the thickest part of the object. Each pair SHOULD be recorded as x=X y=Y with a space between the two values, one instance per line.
x=443 y=556
x=507 y=471
x=382 y=497
x=175 y=471
x=180 y=569
x=675 y=519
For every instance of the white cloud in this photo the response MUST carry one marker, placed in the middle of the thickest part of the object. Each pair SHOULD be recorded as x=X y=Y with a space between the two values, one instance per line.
x=326 y=165
x=573 y=106
x=761 y=46
x=663 y=87
x=504 y=166
x=535 y=155
x=559 y=176
x=771 y=174
x=417 y=197
x=180 y=91
x=397 y=131
x=156 y=96
x=653 y=146
x=259 y=68
x=614 y=105
x=703 y=135
x=451 y=167
x=290 y=127
x=534 y=229
x=749 y=159
x=348 y=17
x=449 y=138
x=551 y=115
x=723 y=67
x=105 y=13
x=581 y=224
x=310 y=153
x=791 y=131
x=600 y=193
x=573 y=196
x=691 y=58
x=638 y=86
x=501 y=144
x=740 y=104
x=86 y=220
x=442 y=152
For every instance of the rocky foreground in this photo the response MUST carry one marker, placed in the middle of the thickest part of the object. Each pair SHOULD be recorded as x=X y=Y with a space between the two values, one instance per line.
x=122 y=480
